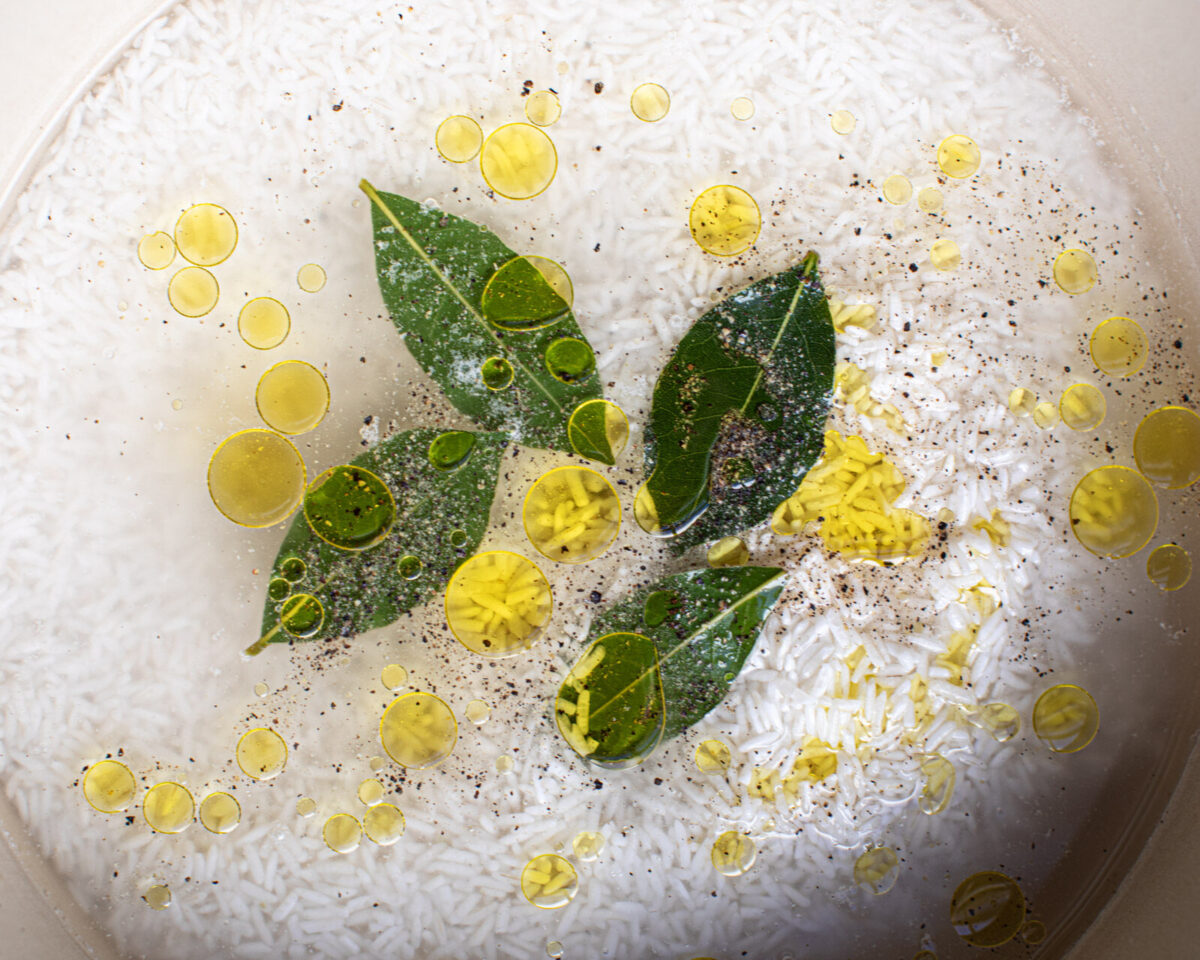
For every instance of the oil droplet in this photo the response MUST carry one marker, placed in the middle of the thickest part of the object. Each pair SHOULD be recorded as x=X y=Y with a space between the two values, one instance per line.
x=292 y=397
x=945 y=255
x=518 y=161
x=393 y=676
x=877 y=869
x=724 y=220
x=1119 y=346
x=733 y=853
x=498 y=603
x=278 y=589
x=261 y=689
x=929 y=200
x=554 y=949
x=383 y=824
x=549 y=881
x=1066 y=718
x=261 y=754
x=987 y=909
x=418 y=730
x=1033 y=932
x=176 y=404
x=570 y=359
x=306 y=807
x=156 y=250
x=1022 y=401
x=660 y=605
x=712 y=757
x=409 y=567
x=256 y=478
x=458 y=538
x=450 y=450
x=293 y=569
x=109 y=786
x=958 y=156
x=311 y=278
x=342 y=833
x=206 y=234
x=650 y=102
x=571 y=514
x=897 y=190
x=370 y=792
x=504 y=763
x=349 y=508
x=158 y=896
x=939 y=784
x=728 y=552
x=1169 y=567
x=1045 y=415
x=1000 y=720
x=458 y=139
x=220 y=813
x=301 y=616
x=587 y=845
x=477 y=712
x=1113 y=511
x=598 y=430
x=193 y=292
x=1075 y=271
x=527 y=293
x=168 y=807
x=377 y=763
x=542 y=108
x=1167 y=447
x=842 y=122
x=496 y=373
x=1082 y=407
x=742 y=108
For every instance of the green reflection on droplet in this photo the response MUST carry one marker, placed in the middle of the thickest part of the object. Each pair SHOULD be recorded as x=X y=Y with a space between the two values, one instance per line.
x=570 y=359
x=409 y=567
x=496 y=373
x=659 y=606
x=458 y=538
x=301 y=616
x=278 y=588
x=598 y=430
x=452 y=449
x=527 y=293
x=293 y=569
x=349 y=507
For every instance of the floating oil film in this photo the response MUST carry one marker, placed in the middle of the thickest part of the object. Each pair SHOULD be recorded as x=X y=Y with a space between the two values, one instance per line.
x=342 y=833
x=292 y=397
x=724 y=220
x=1169 y=567
x=1066 y=718
x=220 y=813
x=1119 y=346
x=193 y=292
x=598 y=430
x=498 y=603
x=156 y=250
x=877 y=869
x=571 y=514
x=458 y=139
x=1075 y=271
x=958 y=156
x=1113 y=511
x=450 y=450
x=527 y=293
x=418 y=730
x=549 y=881
x=650 y=102
x=261 y=754
x=349 y=507
x=518 y=161
x=109 y=786
x=256 y=478
x=1167 y=447
x=733 y=853
x=264 y=323
x=206 y=234
x=168 y=807
x=987 y=909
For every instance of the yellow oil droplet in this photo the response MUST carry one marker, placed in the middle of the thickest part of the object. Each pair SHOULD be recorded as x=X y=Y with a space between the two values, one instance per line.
x=742 y=108
x=987 y=909
x=1167 y=447
x=193 y=292
x=418 y=730
x=498 y=603
x=1075 y=271
x=393 y=676
x=292 y=397
x=713 y=757
x=256 y=478
x=458 y=139
x=598 y=430
x=504 y=763
x=261 y=754
x=929 y=200
x=1066 y=718
x=377 y=763
x=168 y=807
x=370 y=792
x=733 y=853
x=817 y=760
x=863 y=315
x=1119 y=346
x=1045 y=415
x=349 y=507
x=542 y=108
x=311 y=278
x=554 y=949
x=158 y=896
x=945 y=255
x=549 y=881
x=853 y=385
x=261 y=689
x=877 y=869
x=650 y=102
x=478 y=712
x=958 y=156
x=383 y=824
x=728 y=552
x=724 y=220
x=109 y=786
x=1169 y=567
x=527 y=293
x=206 y=234
x=264 y=323
x=1000 y=720
x=1022 y=402
x=518 y=161
x=843 y=122
x=156 y=250
x=939 y=784
x=571 y=514
x=1082 y=407
x=1113 y=512
x=897 y=190
x=342 y=833
x=1033 y=932
x=587 y=845
x=306 y=807
x=220 y=813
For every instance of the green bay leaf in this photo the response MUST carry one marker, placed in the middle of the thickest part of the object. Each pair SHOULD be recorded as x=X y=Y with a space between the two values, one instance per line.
x=661 y=658
x=738 y=413
x=359 y=590
x=433 y=268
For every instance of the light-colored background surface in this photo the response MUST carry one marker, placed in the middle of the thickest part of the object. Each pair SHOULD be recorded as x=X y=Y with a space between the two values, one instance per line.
x=1140 y=69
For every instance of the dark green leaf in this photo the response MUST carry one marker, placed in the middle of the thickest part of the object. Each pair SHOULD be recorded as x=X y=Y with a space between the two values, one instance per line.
x=359 y=590
x=738 y=415
x=433 y=268
x=670 y=652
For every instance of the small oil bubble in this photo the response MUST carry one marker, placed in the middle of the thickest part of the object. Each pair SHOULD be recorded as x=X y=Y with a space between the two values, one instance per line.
x=713 y=757
x=311 y=278
x=728 y=552
x=109 y=786
x=542 y=108
x=278 y=589
x=945 y=255
x=393 y=676
x=1022 y=402
x=261 y=689
x=940 y=779
x=383 y=824
x=571 y=514
x=349 y=507
x=478 y=712
x=549 y=881
x=1082 y=407
x=842 y=122
x=177 y=404
x=1001 y=720
x=987 y=909
x=1169 y=567
x=598 y=430
x=370 y=792
x=498 y=603
x=1066 y=718
x=554 y=949
x=518 y=161
x=458 y=538
x=450 y=450
x=877 y=869
x=256 y=478
x=292 y=397
x=929 y=200
x=1113 y=511
x=293 y=569
x=1119 y=346
x=458 y=139
x=527 y=293
x=1167 y=447
x=724 y=220
x=504 y=763
x=1033 y=932
x=1075 y=271
x=742 y=108
x=650 y=102
x=306 y=807
x=168 y=807
x=158 y=896
x=193 y=292
x=733 y=853
x=587 y=845
x=206 y=234
x=342 y=833
x=220 y=813
x=958 y=156
x=301 y=616
x=897 y=190
x=496 y=373
x=156 y=250
x=409 y=567
x=570 y=359
x=1045 y=415
x=261 y=754
x=418 y=730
